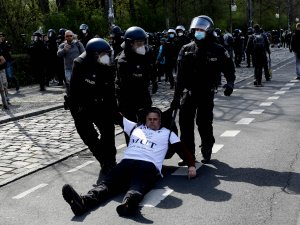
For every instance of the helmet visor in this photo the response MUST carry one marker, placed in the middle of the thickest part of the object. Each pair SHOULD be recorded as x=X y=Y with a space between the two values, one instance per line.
x=200 y=23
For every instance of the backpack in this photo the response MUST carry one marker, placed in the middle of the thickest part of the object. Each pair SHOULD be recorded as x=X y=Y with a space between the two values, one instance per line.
x=258 y=42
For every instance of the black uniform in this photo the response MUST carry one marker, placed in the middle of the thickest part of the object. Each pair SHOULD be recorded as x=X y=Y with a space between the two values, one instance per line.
x=38 y=55
x=93 y=102
x=133 y=79
x=198 y=70
x=260 y=59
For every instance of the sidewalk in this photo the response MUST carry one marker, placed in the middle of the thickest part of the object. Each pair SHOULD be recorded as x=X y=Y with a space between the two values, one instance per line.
x=37 y=132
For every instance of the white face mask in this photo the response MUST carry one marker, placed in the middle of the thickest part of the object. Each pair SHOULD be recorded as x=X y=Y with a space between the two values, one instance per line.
x=84 y=31
x=141 y=50
x=105 y=60
x=180 y=34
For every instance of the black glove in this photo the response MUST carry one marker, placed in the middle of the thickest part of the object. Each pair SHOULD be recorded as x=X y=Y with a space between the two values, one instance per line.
x=154 y=87
x=175 y=104
x=228 y=89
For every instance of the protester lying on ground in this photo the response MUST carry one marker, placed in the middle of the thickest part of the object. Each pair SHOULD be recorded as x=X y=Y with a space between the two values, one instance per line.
x=139 y=169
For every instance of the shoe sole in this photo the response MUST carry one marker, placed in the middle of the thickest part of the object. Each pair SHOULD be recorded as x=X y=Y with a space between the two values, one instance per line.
x=70 y=196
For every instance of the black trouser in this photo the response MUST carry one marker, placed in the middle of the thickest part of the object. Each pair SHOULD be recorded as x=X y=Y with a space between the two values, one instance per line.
x=259 y=61
x=200 y=106
x=135 y=177
x=85 y=118
x=169 y=66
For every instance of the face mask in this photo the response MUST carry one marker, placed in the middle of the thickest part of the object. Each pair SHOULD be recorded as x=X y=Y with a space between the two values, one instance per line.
x=171 y=35
x=84 y=31
x=105 y=60
x=199 y=35
x=180 y=34
x=141 y=50
x=35 y=38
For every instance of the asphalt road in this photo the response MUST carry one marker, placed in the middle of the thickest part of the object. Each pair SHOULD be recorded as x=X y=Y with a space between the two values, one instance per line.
x=254 y=177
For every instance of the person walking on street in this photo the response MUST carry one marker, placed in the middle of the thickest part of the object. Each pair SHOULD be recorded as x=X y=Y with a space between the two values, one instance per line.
x=92 y=101
x=135 y=72
x=6 y=51
x=295 y=47
x=3 y=81
x=199 y=66
x=258 y=44
x=38 y=55
x=138 y=170
x=69 y=50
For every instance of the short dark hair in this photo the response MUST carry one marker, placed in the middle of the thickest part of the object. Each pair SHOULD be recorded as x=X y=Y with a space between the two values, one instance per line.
x=153 y=110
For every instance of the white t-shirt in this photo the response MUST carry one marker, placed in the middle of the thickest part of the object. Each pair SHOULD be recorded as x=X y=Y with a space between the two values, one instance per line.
x=147 y=144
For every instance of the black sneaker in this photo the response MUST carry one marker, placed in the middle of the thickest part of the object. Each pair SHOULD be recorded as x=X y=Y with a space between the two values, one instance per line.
x=73 y=199
x=255 y=83
x=126 y=209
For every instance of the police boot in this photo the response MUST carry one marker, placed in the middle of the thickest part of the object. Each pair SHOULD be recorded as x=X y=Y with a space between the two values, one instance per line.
x=129 y=205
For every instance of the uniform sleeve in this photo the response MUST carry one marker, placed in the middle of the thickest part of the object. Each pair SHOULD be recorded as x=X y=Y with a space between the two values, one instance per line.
x=228 y=68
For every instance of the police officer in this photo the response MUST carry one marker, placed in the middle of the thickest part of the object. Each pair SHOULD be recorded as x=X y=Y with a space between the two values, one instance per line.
x=84 y=34
x=117 y=40
x=181 y=38
x=38 y=53
x=93 y=102
x=258 y=44
x=238 y=43
x=134 y=74
x=199 y=64
x=169 y=52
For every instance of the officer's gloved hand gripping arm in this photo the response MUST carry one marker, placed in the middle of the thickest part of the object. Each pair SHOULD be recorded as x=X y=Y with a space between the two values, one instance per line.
x=229 y=73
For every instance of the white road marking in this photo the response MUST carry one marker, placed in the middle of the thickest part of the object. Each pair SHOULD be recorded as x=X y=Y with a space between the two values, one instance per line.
x=216 y=148
x=121 y=146
x=273 y=98
x=285 y=88
x=279 y=92
x=182 y=171
x=230 y=133
x=245 y=121
x=155 y=196
x=290 y=84
x=23 y=194
x=257 y=111
x=266 y=104
x=294 y=81
x=81 y=166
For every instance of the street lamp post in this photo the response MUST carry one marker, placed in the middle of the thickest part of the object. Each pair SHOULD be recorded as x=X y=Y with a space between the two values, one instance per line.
x=277 y=16
x=232 y=8
x=111 y=16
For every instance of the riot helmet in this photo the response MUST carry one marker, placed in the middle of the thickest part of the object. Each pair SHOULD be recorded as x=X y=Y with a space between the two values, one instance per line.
x=171 y=33
x=218 y=32
x=36 y=36
x=180 y=28
x=135 y=33
x=83 y=27
x=202 y=22
x=51 y=34
x=136 y=38
x=116 y=31
x=97 y=49
x=62 y=31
